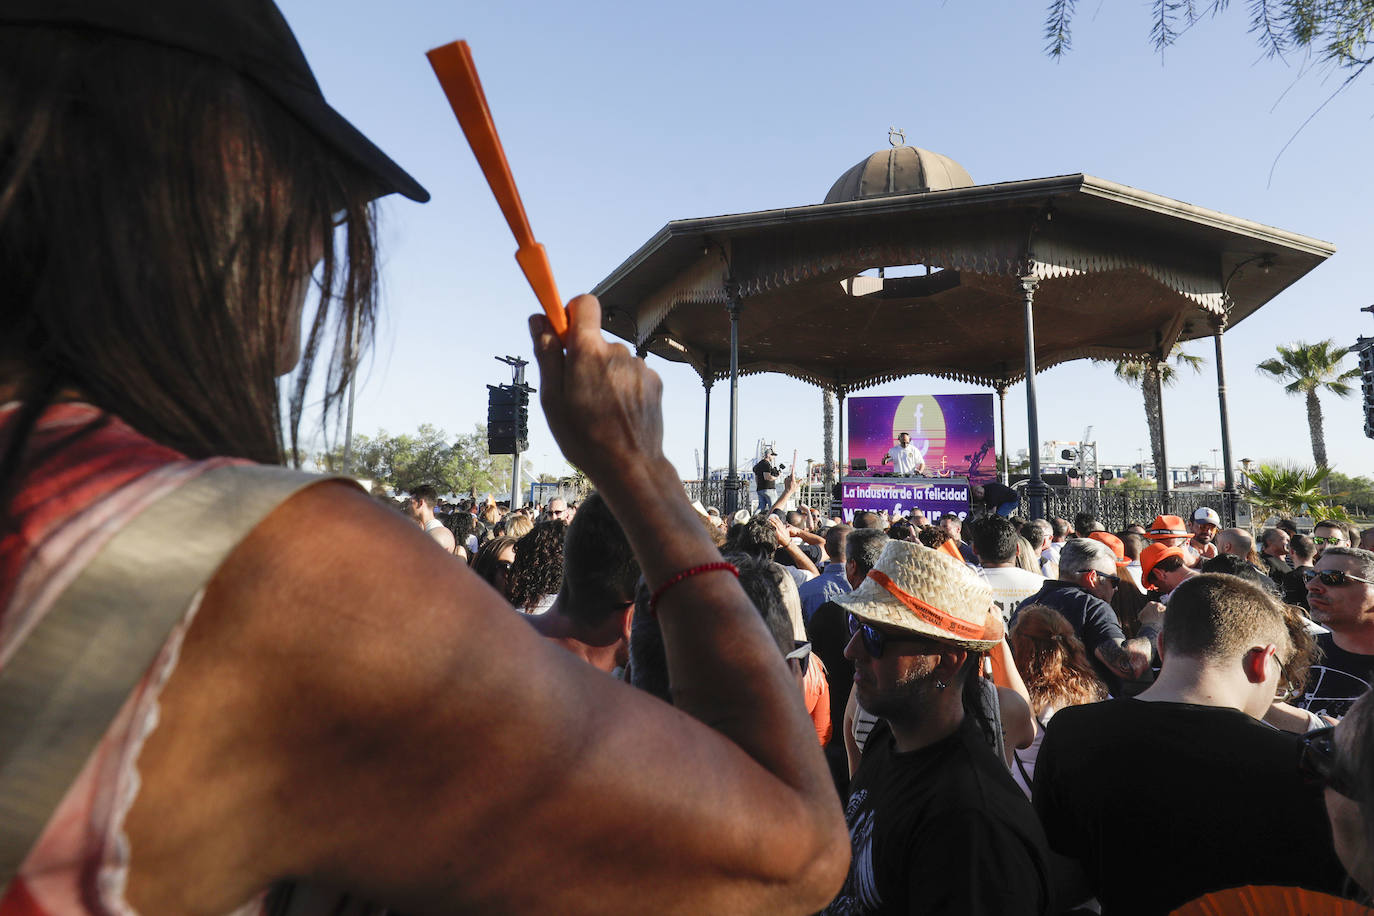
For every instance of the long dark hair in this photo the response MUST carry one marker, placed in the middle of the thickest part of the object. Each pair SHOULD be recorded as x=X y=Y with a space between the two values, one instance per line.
x=157 y=214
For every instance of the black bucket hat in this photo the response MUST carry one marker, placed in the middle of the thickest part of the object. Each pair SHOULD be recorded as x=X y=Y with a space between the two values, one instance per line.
x=251 y=36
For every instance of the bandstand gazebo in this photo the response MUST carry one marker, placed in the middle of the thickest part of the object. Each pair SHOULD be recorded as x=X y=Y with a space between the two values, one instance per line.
x=998 y=281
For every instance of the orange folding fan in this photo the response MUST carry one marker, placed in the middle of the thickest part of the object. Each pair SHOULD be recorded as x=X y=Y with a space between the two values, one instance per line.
x=457 y=75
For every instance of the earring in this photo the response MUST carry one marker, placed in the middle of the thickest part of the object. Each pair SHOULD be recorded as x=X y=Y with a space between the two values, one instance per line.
x=940 y=685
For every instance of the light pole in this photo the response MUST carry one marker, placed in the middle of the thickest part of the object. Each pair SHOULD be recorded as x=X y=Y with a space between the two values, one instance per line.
x=517 y=371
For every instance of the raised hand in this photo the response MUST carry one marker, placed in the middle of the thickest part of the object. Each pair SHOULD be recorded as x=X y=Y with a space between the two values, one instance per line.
x=603 y=405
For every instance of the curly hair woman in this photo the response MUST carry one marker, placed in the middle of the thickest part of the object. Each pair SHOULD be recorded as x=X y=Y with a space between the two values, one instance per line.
x=464 y=527
x=537 y=574
x=1055 y=667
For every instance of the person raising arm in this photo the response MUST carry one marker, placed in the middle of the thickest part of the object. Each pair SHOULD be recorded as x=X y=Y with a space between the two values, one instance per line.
x=342 y=707
x=439 y=724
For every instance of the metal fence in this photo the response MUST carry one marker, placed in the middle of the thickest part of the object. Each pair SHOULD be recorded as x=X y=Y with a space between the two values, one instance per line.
x=1116 y=509
x=713 y=493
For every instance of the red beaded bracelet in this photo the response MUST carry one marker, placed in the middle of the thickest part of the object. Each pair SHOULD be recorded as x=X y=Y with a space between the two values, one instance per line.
x=687 y=574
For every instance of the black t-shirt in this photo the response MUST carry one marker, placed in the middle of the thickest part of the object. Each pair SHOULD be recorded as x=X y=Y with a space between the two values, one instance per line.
x=1276 y=568
x=1338 y=680
x=943 y=829
x=1294 y=586
x=1092 y=619
x=1165 y=802
x=765 y=475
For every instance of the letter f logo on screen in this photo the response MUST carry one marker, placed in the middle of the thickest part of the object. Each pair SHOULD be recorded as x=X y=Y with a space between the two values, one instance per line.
x=921 y=416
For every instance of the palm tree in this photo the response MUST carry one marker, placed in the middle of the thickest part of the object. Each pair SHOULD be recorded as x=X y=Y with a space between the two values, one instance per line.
x=1149 y=375
x=1309 y=368
x=1286 y=491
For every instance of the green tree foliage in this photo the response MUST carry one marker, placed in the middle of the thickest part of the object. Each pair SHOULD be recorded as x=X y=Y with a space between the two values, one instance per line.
x=1130 y=481
x=1338 y=33
x=1308 y=369
x=1352 y=491
x=1288 y=491
x=404 y=462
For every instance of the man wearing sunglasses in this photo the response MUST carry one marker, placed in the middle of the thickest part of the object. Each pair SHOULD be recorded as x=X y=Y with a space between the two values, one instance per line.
x=936 y=822
x=1329 y=534
x=1087 y=581
x=1340 y=593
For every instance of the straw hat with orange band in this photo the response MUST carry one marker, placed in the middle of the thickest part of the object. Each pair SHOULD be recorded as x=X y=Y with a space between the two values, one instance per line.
x=928 y=593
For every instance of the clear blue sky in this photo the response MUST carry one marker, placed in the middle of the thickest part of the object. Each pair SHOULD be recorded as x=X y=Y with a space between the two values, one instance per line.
x=618 y=117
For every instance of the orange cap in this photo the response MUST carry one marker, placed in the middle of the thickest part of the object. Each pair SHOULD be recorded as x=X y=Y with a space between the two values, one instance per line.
x=1167 y=526
x=1150 y=557
x=1112 y=541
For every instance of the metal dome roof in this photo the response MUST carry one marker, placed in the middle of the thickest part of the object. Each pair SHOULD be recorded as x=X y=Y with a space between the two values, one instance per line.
x=899 y=170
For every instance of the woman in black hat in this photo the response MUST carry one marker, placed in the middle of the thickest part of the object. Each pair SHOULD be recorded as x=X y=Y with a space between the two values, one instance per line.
x=341 y=703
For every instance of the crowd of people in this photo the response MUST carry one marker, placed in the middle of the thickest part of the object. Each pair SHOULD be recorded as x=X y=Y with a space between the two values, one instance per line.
x=1183 y=669
x=231 y=687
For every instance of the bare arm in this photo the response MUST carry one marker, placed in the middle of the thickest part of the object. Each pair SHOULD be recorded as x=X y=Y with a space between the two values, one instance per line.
x=1129 y=658
x=851 y=747
x=1018 y=713
x=799 y=559
x=355 y=709
x=789 y=490
x=1018 y=722
x=1289 y=718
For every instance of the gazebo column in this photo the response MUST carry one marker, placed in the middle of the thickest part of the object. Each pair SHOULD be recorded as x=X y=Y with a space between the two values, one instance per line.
x=1036 y=490
x=732 y=483
x=1153 y=379
x=707 y=382
x=1002 y=413
x=1229 y=499
x=841 y=447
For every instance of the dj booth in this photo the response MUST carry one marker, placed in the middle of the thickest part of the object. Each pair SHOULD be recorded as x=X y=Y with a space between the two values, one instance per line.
x=900 y=495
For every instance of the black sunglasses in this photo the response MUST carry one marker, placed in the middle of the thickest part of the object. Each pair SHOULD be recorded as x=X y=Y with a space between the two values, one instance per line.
x=875 y=640
x=1333 y=577
x=1319 y=763
x=1114 y=579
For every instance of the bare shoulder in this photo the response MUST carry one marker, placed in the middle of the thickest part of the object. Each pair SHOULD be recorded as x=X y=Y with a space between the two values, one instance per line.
x=355 y=707
x=444 y=537
x=334 y=630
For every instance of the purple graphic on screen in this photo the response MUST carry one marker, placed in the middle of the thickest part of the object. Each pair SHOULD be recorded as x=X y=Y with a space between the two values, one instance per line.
x=953 y=431
x=885 y=494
